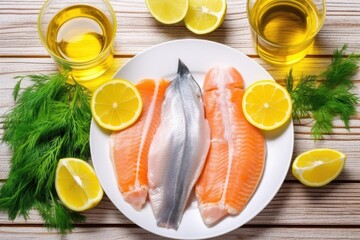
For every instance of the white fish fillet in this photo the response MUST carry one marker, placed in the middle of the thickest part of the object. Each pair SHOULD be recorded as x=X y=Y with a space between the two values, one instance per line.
x=178 y=150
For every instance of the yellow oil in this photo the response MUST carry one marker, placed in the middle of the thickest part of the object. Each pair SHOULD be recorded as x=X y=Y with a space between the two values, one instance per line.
x=81 y=35
x=284 y=30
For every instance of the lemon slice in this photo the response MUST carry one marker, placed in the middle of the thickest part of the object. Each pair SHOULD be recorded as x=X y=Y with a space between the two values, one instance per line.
x=168 y=11
x=267 y=105
x=205 y=16
x=116 y=104
x=77 y=185
x=318 y=167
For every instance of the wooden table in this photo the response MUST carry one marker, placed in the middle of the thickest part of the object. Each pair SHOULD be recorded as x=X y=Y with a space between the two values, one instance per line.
x=296 y=212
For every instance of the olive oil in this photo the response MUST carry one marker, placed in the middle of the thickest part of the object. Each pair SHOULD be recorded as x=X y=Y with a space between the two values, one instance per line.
x=81 y=35
x=284 y=30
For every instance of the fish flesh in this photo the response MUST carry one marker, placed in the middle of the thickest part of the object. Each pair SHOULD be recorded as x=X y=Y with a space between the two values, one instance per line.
x=236 y=158
x=130 y=147
x=179 y=148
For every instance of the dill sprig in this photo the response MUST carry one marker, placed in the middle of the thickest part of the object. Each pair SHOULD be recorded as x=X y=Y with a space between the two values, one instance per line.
x=330 y=97
x=50 y=120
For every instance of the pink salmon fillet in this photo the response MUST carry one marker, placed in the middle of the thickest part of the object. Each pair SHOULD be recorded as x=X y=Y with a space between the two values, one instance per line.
x=236 y=158
x=130 y=147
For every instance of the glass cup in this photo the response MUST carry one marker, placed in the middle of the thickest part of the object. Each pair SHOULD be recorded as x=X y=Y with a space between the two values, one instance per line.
x=79 y=35
x=284 y=30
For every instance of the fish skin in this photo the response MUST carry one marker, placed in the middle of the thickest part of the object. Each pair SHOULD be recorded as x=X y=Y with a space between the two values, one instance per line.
x=178 y=151
x=236 y=158
x=130 y=147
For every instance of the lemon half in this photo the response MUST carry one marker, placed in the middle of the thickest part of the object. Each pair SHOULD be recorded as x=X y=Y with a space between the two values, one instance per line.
x=267 y=105
x=116 y=104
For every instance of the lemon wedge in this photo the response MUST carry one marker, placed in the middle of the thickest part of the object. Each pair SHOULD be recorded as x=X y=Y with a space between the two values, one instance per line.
x=318 y=167
x=77 y=184
x=205 y=16
x=267 y=105
x=116 y=104
x=168 y=11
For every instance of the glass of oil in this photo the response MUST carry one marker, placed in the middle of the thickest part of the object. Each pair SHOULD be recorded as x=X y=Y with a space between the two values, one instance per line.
x=283 y=31
x=79 y=36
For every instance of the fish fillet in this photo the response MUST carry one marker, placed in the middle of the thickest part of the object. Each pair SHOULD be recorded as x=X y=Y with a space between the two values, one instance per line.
x=130 y=147
x=178 y=151
x=236 y=158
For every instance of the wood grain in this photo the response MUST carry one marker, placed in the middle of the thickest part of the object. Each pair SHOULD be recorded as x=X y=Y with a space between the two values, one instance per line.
x=130 y=233
x=333 y=205
x=137 y=30
x=296 y=212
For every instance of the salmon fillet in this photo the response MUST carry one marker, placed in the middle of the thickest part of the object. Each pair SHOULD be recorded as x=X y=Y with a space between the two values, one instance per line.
x=130 y=147
x=236 y=158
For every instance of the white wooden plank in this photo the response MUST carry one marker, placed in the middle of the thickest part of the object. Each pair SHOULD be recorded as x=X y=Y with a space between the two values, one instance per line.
x=296 y=212
x=250 y=233
x=137 y=30
x=333 y=205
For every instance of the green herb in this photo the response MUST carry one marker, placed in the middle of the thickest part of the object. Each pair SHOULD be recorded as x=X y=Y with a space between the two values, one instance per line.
x=50 y=120
x=325 y=99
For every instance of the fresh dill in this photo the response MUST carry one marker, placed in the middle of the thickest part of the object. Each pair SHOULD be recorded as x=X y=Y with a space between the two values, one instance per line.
x=50 y=120
x=326 y=96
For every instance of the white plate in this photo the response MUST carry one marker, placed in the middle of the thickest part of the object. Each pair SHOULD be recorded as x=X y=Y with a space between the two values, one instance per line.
x=161 y=62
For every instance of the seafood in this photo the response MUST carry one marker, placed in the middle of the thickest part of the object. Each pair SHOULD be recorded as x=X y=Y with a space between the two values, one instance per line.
x=179 y=148
x=236 y=158
x=130 y=147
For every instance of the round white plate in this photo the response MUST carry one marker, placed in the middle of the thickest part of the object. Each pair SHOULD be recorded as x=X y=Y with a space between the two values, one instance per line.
x=161 y=62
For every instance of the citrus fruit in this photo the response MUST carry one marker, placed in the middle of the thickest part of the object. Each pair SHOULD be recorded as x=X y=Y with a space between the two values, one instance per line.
x=116 y=104
x=266 y=105
x=77 y=185
x=205 y=16
x=318 y=167
x=168 y=11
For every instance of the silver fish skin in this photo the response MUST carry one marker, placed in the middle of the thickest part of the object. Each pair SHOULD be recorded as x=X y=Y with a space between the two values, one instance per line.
x=178 y=151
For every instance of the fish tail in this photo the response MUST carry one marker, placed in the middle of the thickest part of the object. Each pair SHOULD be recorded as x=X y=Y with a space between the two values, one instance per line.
x=182 y=69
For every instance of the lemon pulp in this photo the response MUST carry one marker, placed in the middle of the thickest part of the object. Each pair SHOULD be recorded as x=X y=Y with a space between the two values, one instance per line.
x=77 y=184
x=318 y=167
x=116 y=104
x=267 y=105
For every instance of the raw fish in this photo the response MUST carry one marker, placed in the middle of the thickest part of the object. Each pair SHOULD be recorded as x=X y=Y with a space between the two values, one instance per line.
x=236 y=158
x=179 y=148
x=130 y=147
